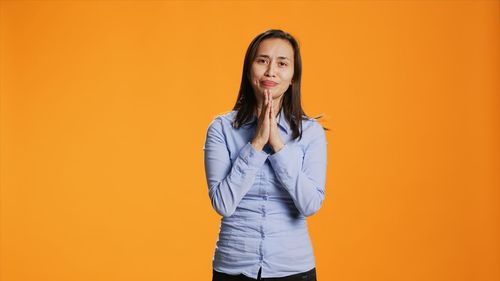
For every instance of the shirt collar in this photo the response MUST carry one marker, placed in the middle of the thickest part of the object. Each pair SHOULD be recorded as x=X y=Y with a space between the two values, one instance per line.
x=282 y=122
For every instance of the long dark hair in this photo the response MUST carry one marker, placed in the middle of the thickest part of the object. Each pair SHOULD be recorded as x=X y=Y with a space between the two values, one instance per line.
x=246 y=101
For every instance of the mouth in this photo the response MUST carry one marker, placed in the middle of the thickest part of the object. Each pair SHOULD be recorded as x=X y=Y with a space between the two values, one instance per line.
x=268 y=84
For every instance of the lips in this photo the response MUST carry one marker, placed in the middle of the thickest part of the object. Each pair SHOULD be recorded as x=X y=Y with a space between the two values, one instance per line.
x=269 y=83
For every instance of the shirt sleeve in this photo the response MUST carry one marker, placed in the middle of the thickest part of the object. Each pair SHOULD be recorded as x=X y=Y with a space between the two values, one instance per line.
x=306 y=182
x=228 y=183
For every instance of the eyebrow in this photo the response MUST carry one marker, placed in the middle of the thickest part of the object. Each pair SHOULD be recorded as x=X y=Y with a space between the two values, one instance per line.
x=266 y=56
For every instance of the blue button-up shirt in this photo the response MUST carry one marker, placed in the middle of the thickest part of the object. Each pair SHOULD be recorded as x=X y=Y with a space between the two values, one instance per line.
x=264 y=196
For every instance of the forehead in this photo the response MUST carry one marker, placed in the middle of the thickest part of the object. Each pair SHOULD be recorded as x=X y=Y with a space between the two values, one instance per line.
x=275 y=47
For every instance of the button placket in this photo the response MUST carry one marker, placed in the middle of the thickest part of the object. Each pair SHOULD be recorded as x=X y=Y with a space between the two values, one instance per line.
x=264 y=196
x=261 y=254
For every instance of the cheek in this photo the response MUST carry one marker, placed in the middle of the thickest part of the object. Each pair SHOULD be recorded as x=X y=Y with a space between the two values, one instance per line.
x=287 y=77
x=254 y=77
x=256 y=82
x=285 y=87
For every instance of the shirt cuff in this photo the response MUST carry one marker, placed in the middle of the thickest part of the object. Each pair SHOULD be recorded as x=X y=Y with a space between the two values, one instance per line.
x=284 y=162
x=252 y=157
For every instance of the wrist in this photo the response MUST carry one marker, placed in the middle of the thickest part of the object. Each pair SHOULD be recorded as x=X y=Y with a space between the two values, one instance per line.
x=257 y=145
x=278 y=147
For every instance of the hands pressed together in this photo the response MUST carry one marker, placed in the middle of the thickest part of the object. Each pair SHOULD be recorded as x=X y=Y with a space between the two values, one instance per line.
x=267 y=126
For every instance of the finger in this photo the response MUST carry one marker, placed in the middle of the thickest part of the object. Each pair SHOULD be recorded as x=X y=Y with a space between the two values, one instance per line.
x=271 y=108
x=266 y=98
x=268 y=108
x=263 y=106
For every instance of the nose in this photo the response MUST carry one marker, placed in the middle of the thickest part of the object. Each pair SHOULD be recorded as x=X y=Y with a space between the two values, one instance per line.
x=270 y=70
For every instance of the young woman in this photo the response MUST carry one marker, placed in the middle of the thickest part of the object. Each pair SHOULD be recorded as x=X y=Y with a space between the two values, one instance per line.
x=265 y=164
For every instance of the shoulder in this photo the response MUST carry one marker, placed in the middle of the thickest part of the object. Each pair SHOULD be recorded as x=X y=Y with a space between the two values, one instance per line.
x=311 y=125
x=312 y=131
x=222 y=119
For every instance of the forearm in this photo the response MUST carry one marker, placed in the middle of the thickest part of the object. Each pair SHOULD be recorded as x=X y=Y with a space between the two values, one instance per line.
x=226 y=194
x=303 y=176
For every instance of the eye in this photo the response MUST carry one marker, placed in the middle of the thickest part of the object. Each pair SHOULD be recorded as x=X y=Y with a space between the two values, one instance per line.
x=261 y=60
x=283 y=63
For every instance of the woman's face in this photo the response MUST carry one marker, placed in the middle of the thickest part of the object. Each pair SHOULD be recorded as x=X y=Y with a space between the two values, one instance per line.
x=273 y=62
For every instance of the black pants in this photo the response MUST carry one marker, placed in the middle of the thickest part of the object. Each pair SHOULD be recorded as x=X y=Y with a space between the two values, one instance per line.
x=304 y=276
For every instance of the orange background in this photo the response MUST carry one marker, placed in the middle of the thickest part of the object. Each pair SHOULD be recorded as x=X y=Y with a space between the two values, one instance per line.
x=105 y=106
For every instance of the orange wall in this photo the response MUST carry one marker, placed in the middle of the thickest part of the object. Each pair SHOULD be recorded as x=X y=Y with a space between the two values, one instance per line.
x=105 y=105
